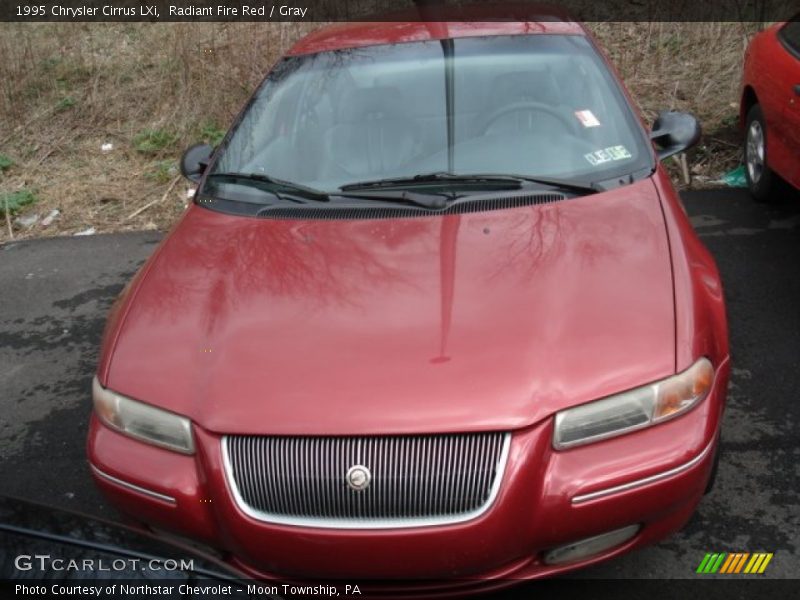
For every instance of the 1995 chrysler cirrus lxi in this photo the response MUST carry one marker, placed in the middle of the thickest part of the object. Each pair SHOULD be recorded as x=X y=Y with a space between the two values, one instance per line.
x=435 y=312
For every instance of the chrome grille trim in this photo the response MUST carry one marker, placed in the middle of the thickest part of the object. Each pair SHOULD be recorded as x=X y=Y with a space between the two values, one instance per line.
x=133 y=487
x=644 y=481
x=475 y=462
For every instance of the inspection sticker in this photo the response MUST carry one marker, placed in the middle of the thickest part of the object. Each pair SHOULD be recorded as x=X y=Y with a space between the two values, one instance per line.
x=587 y=118
x=598 y=157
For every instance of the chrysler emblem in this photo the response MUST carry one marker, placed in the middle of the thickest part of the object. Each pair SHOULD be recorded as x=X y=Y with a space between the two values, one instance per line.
x=358 y=477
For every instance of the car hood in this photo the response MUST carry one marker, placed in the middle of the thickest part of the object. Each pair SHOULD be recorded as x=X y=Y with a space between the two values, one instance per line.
x=483 y=321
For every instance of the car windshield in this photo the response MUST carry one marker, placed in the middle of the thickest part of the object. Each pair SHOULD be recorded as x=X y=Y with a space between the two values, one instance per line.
x=529 y=105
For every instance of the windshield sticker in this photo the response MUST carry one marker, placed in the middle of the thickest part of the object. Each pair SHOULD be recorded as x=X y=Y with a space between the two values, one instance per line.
x=598 y=157
x=618 y=152
x=587 y=118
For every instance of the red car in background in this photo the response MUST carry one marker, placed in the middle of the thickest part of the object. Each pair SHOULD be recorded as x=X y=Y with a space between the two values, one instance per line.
x=436 y=313
x=770 y=109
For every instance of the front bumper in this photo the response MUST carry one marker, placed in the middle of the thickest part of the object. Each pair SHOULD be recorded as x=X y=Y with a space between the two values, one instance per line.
x=653 y=477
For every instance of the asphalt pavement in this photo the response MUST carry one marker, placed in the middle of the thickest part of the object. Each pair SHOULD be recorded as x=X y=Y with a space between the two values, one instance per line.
x=54 y=295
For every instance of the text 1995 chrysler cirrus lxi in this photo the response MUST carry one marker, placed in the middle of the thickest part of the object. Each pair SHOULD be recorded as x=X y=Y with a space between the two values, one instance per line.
x=435 y=312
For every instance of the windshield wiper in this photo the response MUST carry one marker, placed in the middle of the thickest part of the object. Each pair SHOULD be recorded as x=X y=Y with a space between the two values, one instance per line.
x=563 y=184
x=478 y=178
x=425 y=178
x=296 y=188
x=434 y=201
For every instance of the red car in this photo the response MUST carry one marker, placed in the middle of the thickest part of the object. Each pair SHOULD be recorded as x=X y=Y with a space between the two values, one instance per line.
x=770 y=109
x=436 y=313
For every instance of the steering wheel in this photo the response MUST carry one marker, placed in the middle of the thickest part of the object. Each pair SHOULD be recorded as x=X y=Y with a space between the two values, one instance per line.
x=529 y=105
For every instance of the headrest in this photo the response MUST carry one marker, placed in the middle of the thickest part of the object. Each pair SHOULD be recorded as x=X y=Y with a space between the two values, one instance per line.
x=536 y=85
x=378 y=102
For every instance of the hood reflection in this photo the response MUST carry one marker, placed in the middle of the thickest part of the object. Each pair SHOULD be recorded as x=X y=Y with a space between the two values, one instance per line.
x=377 y=325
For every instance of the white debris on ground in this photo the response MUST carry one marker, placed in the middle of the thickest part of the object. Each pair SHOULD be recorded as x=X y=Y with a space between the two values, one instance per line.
x=48 y=220
x=106 y=148
x=89 y=231
x=190 y=192
x=27 y=221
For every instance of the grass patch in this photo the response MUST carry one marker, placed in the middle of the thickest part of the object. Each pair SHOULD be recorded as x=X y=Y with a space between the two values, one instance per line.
x=163 y=171
x=151 y=142
x=211 y=133
x=49 y=64
x=69 y=75
x=730 y=122
x=14 y=201
x=65 y=103
x=5 y=162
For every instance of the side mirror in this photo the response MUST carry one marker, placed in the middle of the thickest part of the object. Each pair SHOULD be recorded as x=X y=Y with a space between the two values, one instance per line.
x=195 y=160
x=674 y=132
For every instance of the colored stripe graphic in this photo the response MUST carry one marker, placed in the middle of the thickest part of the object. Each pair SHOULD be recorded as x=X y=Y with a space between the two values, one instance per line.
x=734 y=562
x=703 y=563
x=727 y=564
x=754 y=563
x=711 y=562
x=731 y=563
x=764 y=564
x=737 y=558
x=740 y=564
x=718 y=563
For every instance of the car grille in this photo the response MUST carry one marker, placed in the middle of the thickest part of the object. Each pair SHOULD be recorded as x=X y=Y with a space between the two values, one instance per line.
x=415 y=480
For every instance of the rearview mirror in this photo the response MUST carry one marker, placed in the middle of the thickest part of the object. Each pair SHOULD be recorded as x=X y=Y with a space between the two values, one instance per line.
x=195 y=161
x=674 y=132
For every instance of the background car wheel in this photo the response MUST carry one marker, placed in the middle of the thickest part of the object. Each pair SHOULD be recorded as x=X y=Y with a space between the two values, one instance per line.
x=760 y=178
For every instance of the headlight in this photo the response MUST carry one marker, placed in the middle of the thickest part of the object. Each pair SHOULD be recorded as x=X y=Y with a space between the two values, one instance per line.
x=142 y=421
x=634 y=409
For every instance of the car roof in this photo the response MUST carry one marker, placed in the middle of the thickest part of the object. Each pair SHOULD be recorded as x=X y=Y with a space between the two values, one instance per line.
x=441 y=23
